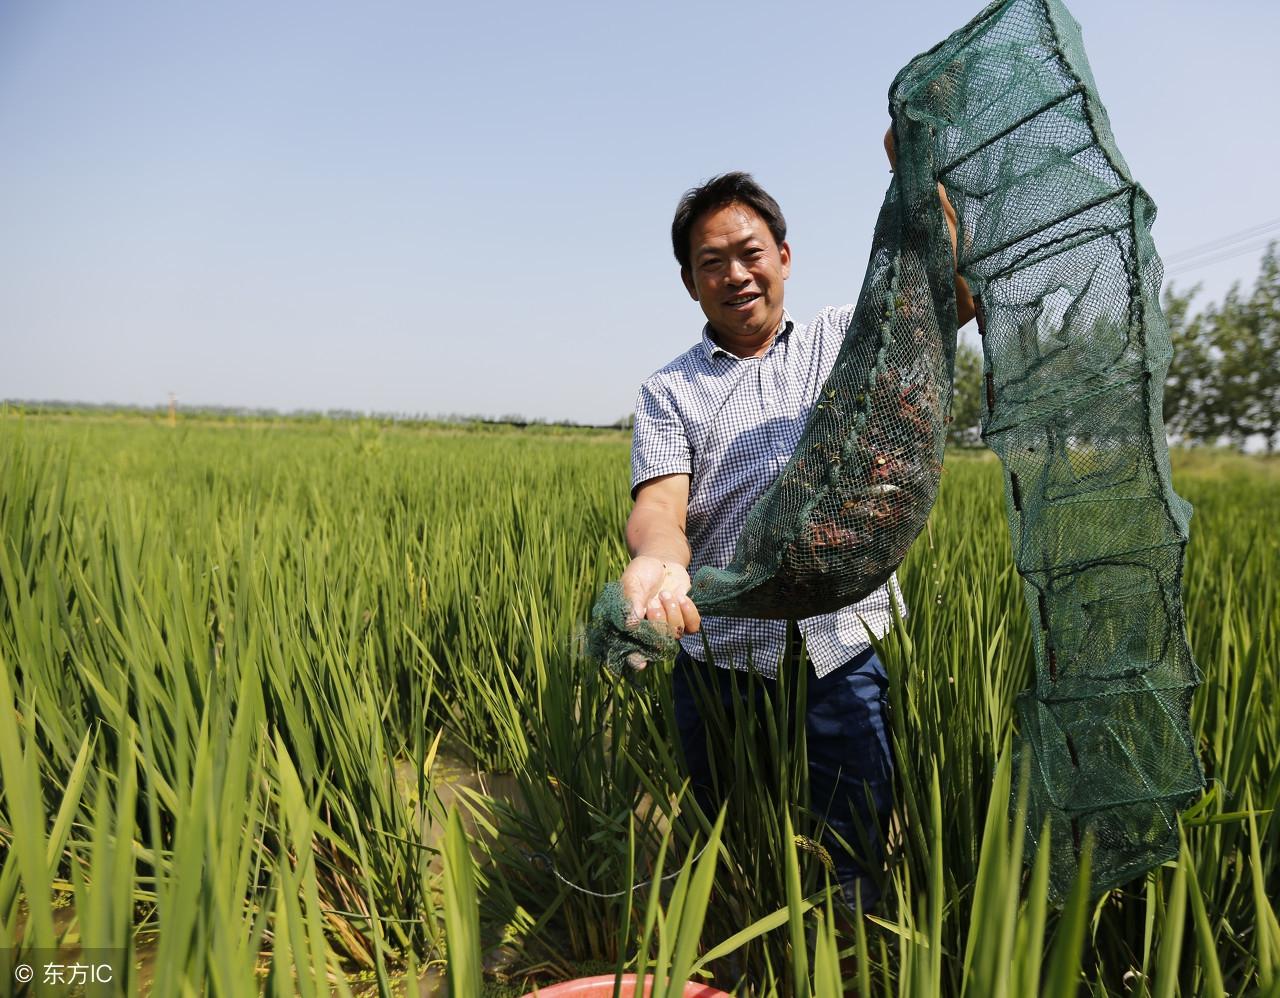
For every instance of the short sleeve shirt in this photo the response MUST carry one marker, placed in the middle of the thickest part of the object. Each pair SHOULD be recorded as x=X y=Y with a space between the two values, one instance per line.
x=731 y=424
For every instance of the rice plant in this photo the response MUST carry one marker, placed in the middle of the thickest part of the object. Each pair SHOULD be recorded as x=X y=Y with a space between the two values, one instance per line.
x=244 y=663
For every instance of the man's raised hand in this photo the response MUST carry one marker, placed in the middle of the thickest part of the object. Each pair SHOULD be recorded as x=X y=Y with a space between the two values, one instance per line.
x=965 y=308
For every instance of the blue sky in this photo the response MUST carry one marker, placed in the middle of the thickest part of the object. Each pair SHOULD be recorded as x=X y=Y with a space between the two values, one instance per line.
x=464 y=208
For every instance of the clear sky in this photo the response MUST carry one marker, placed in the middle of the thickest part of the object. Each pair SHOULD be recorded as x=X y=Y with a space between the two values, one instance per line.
x=436 y=208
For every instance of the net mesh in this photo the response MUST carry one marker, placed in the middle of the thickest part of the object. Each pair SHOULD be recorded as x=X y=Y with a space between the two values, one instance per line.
x=1054 y=242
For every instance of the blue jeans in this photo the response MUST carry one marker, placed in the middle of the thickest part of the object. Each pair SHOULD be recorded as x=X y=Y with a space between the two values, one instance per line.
x=847 y=739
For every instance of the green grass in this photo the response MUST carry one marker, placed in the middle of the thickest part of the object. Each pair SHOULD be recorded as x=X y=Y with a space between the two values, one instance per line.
x=218 y=642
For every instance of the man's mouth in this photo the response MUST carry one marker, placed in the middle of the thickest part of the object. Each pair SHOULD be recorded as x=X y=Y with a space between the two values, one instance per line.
x=741 y=301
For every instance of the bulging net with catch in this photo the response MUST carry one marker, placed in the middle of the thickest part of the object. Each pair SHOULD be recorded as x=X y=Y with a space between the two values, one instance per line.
x=1055 y=244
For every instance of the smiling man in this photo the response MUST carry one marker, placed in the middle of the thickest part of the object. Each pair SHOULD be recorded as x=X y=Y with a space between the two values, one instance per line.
x=712 y=430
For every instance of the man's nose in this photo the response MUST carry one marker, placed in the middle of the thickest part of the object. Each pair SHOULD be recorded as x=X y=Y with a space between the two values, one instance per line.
x=738 y=273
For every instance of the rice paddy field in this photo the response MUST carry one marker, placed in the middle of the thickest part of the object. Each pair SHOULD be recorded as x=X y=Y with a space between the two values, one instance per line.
x=297 y=707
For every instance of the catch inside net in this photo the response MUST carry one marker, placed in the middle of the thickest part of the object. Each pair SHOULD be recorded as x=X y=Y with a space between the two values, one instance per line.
x=1055 y=244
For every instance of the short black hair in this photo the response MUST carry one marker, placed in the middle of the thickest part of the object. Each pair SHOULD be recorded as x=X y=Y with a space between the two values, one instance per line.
x=728 y=188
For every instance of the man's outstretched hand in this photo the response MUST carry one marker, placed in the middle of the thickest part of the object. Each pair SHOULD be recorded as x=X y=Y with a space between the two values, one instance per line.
x=658 y=591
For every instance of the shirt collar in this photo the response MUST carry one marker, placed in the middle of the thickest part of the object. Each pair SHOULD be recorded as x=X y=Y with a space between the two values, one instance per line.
x=711 y=349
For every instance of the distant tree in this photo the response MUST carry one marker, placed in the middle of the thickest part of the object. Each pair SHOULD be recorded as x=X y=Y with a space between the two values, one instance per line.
x=1266 y=306
x=1259 y=351
x=1243 y=399
x=1189 y=383
x=966 y=398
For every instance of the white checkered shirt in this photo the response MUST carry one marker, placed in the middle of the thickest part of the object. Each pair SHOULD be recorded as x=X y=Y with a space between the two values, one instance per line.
x=731 y=423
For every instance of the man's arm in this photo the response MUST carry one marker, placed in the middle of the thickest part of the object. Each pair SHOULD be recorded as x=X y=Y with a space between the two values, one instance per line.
x=656 y=582
x=965 y=309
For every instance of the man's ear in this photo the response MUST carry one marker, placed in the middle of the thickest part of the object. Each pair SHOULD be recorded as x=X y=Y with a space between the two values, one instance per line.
x=784 y=252
x=688 y=283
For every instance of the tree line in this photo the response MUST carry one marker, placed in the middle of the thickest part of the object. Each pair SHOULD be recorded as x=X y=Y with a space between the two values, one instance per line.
x=1223 y=384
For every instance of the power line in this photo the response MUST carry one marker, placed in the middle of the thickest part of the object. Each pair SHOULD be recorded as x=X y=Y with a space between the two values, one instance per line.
x=1183 y=256
x=1229 y=254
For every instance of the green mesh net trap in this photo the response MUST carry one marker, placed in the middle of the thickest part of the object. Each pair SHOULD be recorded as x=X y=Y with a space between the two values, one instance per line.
x=1054 y=242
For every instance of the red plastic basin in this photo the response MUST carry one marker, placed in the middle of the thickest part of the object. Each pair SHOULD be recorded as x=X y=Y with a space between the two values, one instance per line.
x=602 y=987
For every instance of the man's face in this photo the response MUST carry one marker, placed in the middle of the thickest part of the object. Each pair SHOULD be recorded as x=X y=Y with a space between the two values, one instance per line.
x=736 y=274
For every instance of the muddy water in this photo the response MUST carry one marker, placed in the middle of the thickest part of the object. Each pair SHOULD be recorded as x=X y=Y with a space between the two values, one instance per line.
x=451 y=776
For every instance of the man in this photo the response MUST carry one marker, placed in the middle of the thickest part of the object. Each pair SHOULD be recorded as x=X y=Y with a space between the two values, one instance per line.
x=712 y=430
